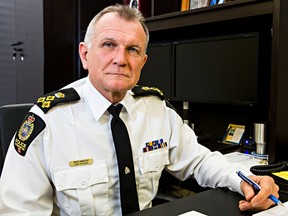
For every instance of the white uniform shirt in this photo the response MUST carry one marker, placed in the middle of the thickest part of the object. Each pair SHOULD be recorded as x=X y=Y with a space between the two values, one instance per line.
x=43 y=183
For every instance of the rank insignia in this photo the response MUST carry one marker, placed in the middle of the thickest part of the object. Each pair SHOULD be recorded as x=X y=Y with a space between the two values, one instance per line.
x=145 y=91
x=28 y=131
x=153 y=145
x=57 y=97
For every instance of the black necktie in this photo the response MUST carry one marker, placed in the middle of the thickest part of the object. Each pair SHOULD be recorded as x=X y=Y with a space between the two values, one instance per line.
x=128 y=192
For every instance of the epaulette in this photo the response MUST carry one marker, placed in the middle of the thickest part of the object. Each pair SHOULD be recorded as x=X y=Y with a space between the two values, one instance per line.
x=61 y=96
x=144 y=91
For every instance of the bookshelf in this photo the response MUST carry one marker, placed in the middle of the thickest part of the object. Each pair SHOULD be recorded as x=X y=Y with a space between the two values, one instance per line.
x=210 y=14
x=269 y=17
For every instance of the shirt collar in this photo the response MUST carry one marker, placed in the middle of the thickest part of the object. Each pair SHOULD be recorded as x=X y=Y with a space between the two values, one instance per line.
x=127 y=102
x=99 y=104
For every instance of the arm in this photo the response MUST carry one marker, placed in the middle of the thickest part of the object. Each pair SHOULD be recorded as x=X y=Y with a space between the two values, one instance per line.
x=190 y=159
x=212 y=169
x=25 y=188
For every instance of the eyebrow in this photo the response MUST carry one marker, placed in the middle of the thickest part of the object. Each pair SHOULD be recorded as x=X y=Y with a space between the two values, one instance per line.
x=115 y=41
x=107 y=38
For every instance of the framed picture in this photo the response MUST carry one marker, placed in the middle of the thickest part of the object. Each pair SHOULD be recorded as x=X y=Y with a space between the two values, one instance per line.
x=198 y=3
x=234 y=134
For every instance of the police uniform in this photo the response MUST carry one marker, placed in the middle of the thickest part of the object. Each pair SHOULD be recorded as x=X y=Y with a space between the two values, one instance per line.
x=62 y=159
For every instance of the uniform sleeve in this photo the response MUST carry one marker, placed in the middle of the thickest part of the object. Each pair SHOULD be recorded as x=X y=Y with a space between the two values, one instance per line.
x=25 y=188
x=190 y=159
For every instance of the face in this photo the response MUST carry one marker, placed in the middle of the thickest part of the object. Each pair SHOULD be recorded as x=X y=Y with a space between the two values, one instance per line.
x=116 y=57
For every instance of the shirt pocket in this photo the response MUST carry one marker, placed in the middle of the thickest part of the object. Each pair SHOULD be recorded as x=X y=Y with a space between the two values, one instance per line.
x=78 y=187
x=151 y=165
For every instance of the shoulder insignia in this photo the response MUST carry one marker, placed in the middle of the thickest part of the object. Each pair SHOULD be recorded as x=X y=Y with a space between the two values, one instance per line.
x=31 y=126
x=57 y=97
x=144 y=91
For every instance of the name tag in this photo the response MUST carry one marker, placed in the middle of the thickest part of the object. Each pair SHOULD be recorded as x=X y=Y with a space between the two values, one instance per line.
x=83 y=162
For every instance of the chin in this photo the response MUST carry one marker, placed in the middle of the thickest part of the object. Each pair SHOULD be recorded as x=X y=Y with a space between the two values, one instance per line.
x=121 y=86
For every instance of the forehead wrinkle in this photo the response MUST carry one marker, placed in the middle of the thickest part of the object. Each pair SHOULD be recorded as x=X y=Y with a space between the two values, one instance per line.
x=116 y=40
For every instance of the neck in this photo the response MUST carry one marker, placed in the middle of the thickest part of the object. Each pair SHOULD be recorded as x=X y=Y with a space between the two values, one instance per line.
x=114 y=97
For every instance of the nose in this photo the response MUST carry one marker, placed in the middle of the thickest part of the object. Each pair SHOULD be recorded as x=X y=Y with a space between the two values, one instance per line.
x=120 y=57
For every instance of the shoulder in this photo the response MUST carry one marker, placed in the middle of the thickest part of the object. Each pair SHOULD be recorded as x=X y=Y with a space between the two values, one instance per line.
x=34 y=123
x=141 y=91
x=56 y=98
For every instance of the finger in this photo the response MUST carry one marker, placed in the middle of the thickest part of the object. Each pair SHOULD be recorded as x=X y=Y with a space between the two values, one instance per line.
x=247 y=190
x=268 y=187
x=261 y=197
x=245 y=205
x=259 y=201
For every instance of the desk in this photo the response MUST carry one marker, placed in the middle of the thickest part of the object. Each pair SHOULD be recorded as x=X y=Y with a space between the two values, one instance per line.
x=214 y=202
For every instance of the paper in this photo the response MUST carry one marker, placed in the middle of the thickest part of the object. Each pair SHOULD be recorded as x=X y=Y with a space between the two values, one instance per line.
x=192 y=213
x=275 y=211
x=246 y=160
x=237 y=135
x=282 y=174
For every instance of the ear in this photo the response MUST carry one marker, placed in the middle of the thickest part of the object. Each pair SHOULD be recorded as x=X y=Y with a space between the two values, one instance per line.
x=83 y=51
x=145 y=60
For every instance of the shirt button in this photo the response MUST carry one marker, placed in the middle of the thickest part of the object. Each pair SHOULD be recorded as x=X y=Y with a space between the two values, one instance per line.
x=156 y=165
x=83 y=182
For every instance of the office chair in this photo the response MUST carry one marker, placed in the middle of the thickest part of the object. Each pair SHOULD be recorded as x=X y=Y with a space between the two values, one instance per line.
x=11 y=117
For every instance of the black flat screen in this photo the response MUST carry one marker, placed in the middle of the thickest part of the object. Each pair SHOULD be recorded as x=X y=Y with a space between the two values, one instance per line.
x=217 y=70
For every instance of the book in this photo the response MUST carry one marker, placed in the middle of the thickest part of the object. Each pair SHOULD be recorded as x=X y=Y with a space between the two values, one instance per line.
x=198 y=3
x=185 y=5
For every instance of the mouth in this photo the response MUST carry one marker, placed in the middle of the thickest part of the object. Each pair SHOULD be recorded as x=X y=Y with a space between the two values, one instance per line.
x=118 y=74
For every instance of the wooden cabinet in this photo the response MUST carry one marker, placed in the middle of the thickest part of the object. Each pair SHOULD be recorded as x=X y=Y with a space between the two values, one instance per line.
x=21 y=47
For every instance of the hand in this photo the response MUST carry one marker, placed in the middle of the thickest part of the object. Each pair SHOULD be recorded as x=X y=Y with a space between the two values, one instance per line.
x=260 y=201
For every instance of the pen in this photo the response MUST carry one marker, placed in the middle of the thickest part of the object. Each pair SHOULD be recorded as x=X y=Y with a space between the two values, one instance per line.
x=257 y=187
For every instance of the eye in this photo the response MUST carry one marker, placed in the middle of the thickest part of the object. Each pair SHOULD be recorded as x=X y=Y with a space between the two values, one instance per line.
x=134 y=50
x=109 y=44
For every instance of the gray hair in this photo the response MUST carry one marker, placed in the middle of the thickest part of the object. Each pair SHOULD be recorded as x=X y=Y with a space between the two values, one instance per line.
x=125 y=12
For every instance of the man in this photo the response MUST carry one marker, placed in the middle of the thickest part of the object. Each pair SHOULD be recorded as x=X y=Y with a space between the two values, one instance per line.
x=62 y=160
